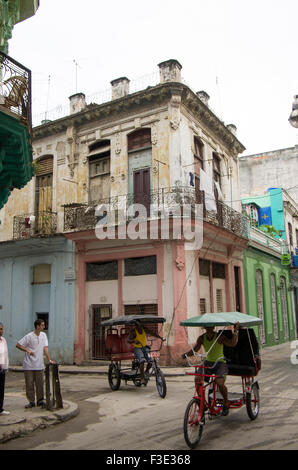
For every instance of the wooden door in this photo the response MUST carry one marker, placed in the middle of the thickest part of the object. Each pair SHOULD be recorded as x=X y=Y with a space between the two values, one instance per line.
x=44 y=194
x=237 y=288
x=44 y=185
x=141 y=188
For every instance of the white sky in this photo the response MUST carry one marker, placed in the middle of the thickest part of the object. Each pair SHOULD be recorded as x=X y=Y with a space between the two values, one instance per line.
x=243 y=53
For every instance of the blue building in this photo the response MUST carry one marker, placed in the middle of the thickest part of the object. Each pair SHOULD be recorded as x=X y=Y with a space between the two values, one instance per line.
x=37 y=281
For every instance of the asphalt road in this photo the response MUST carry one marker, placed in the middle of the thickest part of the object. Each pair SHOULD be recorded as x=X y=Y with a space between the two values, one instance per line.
x=138 y=419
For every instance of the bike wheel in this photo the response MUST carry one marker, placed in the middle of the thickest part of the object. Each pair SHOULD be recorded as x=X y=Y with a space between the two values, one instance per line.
x=193 y=423
x=114 y=377
x=160 y=383
x=253 y=402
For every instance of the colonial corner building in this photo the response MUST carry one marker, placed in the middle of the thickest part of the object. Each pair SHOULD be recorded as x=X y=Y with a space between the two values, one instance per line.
x=160 y=145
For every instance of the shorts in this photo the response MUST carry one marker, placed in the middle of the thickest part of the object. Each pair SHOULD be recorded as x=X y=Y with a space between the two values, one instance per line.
x=142 y=354
x=221 y=369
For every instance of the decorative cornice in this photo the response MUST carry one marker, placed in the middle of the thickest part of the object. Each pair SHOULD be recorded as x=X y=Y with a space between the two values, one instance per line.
x=152 y=95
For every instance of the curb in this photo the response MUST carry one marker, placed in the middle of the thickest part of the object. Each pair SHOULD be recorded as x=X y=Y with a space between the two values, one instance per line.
x=100 y=372
x=26 y=426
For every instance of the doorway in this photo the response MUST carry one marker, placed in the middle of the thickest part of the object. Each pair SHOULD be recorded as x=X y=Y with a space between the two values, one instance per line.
x=99 y=314
x=237 y=288
x=141 y=188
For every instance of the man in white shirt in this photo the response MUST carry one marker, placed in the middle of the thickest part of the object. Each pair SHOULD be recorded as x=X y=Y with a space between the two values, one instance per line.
x=35 y=345
x=3 y=369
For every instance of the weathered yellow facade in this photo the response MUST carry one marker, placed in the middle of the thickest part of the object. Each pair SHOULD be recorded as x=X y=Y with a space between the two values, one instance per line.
x=173 y=113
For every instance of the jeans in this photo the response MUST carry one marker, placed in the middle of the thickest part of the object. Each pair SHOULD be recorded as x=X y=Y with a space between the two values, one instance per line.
x=142 y=354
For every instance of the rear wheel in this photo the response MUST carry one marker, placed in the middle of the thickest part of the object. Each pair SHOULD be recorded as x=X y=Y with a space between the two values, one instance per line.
x=253 y=402
x=114 y=377
x=160 y=383
x=193 y=423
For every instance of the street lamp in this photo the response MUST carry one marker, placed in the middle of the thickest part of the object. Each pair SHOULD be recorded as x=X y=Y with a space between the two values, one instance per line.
x=293 y=119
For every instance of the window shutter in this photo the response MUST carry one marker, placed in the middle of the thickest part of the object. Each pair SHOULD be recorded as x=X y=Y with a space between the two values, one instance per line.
x=44 y=166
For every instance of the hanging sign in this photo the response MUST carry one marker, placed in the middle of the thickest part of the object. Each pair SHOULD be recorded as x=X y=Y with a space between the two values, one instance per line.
x=286 y=259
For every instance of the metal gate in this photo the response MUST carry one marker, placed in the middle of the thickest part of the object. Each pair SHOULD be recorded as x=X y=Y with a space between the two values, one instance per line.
x=99 y=314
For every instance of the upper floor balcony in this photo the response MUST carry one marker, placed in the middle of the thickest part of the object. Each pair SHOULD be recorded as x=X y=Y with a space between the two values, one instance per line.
x=15 y=90
x=173 y=202
x=37 y=224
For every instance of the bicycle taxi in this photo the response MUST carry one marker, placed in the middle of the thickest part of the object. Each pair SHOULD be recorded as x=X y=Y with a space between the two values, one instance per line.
x=243 y=361
x=121 y=352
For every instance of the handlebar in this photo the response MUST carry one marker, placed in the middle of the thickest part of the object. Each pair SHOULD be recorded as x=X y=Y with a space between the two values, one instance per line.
x=152 y=339
x=203 y=356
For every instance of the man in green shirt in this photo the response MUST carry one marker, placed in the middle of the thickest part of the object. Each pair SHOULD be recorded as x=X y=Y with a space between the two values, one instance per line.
x=213 y=344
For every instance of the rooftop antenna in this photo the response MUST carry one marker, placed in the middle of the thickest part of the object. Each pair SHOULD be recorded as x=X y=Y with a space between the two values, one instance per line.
x=76 y=66
x=219 y=95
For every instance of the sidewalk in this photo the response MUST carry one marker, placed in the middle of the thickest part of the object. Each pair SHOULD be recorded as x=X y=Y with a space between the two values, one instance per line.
x=21 y=421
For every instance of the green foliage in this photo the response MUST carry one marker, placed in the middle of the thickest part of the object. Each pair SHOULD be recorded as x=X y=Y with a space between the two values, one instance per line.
x=270 y=230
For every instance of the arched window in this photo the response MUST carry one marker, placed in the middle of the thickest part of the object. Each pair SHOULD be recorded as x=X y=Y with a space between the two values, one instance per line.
x=44 y=183
x=99 y=170
x=290 y=232
x=284 y=306
x=274 y=306
x=139 y=139
x=139 y=167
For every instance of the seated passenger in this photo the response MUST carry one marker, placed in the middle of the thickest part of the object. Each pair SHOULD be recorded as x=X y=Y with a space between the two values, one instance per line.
x=138 y=338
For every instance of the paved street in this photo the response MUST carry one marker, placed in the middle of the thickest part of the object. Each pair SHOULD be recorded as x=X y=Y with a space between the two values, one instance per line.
x=138 y=419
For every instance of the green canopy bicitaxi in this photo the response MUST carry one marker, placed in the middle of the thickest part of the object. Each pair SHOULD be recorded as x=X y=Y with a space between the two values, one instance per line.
x=222 y=319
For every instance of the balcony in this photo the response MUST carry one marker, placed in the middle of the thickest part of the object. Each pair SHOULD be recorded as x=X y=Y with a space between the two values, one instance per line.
x=170 y=201
x=15 y=90
x=38 y=224
x=15 y=127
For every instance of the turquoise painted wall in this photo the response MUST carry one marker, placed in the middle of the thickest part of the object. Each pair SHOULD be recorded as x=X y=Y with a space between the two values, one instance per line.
x=272 y=199
x=253 y=260
x=277 y=211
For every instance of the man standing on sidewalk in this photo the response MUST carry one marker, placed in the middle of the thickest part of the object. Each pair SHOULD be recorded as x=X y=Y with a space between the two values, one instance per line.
x=3 y=369
x=35 y=345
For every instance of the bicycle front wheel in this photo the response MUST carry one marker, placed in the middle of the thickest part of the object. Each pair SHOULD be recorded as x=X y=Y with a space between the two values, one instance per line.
x=160 y=383
x=193 y=423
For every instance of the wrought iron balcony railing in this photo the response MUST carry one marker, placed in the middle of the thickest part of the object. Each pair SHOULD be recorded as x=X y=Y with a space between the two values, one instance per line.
x=15 y=89
x=83 y=216
x=38 y=224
